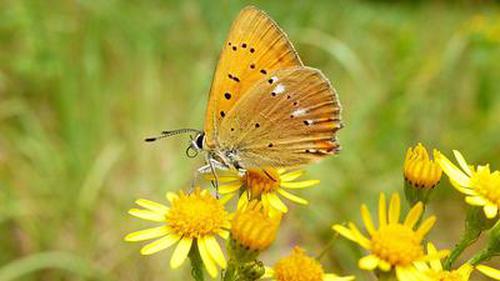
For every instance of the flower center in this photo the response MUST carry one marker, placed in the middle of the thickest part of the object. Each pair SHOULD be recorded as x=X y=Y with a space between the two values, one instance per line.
x=196 y=215
x=298 y=267
x=259 y=181
x=487 y=184
x=397 y=244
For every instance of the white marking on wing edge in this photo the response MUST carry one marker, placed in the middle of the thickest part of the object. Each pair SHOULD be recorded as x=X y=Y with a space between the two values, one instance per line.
x=299 y=112
x=279 y=89
x=274 y=78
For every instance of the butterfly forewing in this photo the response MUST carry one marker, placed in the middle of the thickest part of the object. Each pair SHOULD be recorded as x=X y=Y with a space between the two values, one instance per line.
x=287 y=120
x=255 y=48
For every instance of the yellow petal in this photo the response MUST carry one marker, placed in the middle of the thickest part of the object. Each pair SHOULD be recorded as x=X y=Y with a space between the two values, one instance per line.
x=369 y=262
x=160 y=244
x=489 y=271
x=266 y=204
x=276 y=202
x=223 y=179
x=243 y=201
x=490 y=210
x=410 y=274
x=207 y=259
x=153 y=206
x=435 y=263
x=414 y=215
x=292 y=197
x=384 y=266
x=394 y=208
x=453 y=171
x=290 y=176
x=224 y=234
x=215 y=251
x=225 y=198
x=147 y=234
x=426 y=226
x=147 y=215
x=421 y=266
x=367 y=219
x=181 y=252
x=362 y=240
x=461 y=189
x=382 y=213
x=299 y=184
x=436 y=256
x=461 y=161
x=229 y=188
x=172 y=196
x=344 y=231
x=465 y=270
x=476 y=200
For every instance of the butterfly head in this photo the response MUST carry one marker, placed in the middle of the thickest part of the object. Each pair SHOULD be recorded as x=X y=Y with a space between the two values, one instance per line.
x=196 y=145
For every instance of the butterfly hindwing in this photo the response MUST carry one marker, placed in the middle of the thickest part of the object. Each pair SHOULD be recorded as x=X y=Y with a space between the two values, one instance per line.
x=255 y=48
x=287 y=120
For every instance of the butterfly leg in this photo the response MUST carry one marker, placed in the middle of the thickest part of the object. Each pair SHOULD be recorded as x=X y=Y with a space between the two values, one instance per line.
x=215 y=183
x=205 y=169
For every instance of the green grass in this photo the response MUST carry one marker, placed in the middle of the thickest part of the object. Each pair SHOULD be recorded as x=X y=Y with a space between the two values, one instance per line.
x=82 y=82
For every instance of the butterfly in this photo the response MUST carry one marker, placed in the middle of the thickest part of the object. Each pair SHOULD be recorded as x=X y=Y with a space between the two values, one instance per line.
x=265 y=108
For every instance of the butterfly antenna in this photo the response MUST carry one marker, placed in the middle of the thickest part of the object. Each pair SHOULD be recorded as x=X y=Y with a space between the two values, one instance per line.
x=166 y=134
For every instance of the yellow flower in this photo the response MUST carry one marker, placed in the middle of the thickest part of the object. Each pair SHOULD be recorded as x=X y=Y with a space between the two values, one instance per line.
x=253 y=229
x=419 y=170
x=394 y=244
x=300 y=267
x=264 y=184
x=434 y=269
x=192 y=218
x=480 y=185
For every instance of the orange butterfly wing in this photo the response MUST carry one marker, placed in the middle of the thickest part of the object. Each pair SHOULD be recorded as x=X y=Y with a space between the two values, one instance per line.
x=288 y=120
x=255 y=48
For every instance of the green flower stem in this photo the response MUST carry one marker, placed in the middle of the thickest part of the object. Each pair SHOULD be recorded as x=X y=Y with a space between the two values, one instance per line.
x=328 y=246
x=481 y=256
x=475 y=224
x=458 y=250
x=231 y=273
x=493 y=248
x=196 y=263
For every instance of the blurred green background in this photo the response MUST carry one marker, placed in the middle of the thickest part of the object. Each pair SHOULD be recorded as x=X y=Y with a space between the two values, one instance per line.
x=82 y=82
